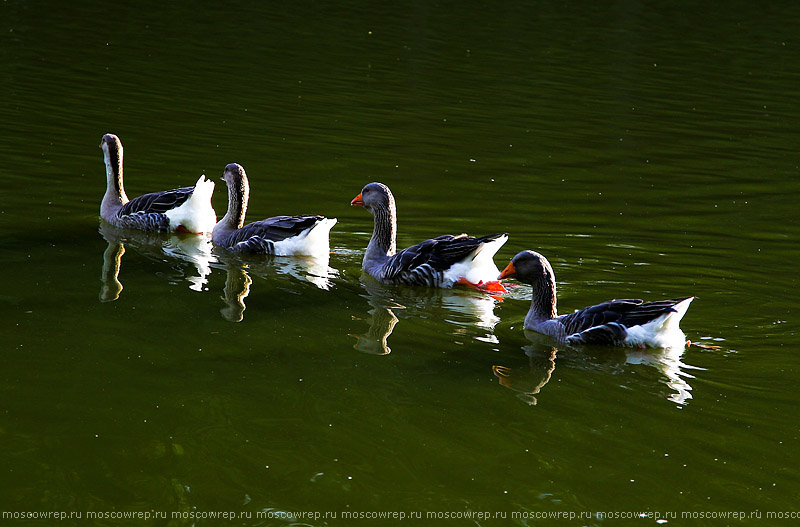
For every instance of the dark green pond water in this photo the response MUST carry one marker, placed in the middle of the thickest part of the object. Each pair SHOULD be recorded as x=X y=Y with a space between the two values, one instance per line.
x=648 y=149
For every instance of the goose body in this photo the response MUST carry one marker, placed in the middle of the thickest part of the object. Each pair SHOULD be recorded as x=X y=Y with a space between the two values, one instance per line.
x=623 y=323
x=439 y=262
x=186 y=209
x=278 y=236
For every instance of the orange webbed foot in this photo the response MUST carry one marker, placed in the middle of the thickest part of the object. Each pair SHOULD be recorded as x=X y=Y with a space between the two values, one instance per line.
x=493 y=286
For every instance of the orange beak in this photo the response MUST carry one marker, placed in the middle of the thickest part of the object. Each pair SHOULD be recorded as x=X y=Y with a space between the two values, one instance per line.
x=357 y=200
x=509 y=271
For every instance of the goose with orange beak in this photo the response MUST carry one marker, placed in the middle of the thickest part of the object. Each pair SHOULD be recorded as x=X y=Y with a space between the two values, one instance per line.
x=439 y=262
x=622 y=323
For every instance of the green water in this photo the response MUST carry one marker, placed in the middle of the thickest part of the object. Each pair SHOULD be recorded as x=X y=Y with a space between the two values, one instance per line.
x=647 y=149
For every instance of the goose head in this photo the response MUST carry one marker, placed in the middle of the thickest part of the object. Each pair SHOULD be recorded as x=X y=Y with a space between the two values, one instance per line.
x=529 y=267
x=112 y=149
x=234 y=175
x=375 y=196
x=235 y=178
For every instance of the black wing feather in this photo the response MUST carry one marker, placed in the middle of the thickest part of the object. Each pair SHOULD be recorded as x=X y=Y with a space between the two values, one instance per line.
x=259 y=236
x=611 y=334
x=157 y=202
x=435 y=255
x=627 y=312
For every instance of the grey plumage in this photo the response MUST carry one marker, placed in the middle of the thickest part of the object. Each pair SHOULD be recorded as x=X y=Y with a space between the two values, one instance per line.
x=423 y=264
x=258 y=237
x=610 y=323
x=146 y=212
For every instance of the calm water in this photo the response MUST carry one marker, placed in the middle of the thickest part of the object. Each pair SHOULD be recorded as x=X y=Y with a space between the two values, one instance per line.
x=648 y=149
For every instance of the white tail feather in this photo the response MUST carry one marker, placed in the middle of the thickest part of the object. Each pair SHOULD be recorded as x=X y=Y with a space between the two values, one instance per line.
x=311 y=242
x=479 y=266
x=196 y=214
x=663 y=332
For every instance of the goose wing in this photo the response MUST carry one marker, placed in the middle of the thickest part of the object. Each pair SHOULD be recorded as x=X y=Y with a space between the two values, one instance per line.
x=437 y=254
x=157 y=202
x=626 y=312
x=273 y=229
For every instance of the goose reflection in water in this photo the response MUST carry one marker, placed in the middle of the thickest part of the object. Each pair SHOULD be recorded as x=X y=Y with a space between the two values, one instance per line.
x=529 y=382
x=198 y=251
x=238 y=269
x=543 y=358
x=463 y=309
x=112 y=260
x=192 y=248
x=669 y=362
x=381 y=324
x=237 y=287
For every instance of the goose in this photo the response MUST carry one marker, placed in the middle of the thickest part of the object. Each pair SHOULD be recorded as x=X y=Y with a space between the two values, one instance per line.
x=439 y=262
x=186 y=209
x=277 y=236
x=621 y=323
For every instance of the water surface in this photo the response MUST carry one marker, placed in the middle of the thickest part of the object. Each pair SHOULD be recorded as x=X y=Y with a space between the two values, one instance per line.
x=647 y=149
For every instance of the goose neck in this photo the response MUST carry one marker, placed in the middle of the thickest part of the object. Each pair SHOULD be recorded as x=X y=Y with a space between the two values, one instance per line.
x=543 y=300
x=238 y=197
x=115 y=195
x=383 y=242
